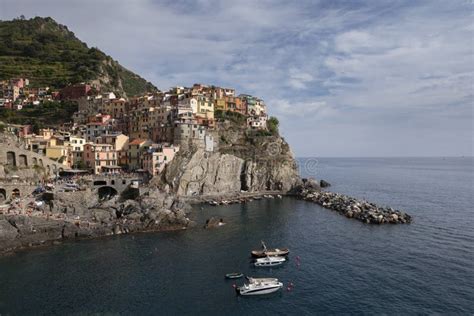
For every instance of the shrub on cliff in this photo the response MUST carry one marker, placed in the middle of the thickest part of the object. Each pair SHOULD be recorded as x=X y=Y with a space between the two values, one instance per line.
x=272 y=125
x=230 y=116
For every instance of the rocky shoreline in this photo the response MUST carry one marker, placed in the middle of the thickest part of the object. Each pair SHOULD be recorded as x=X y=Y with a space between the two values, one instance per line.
x=79 y=215
x=350 y=207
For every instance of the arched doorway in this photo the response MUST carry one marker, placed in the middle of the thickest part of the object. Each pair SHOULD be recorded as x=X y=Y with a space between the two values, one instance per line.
x=35 y=161
x=106 y=193
x=3 y=195
x=11 y=158
x=22 y=161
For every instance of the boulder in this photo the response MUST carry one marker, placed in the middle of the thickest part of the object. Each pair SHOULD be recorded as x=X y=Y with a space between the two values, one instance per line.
x=324 y=184
x=7 y=230
x=214 y=222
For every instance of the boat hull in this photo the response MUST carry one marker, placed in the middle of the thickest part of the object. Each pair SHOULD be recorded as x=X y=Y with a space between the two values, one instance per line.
x=267 y=290
x=271 y=253
x=234 y=275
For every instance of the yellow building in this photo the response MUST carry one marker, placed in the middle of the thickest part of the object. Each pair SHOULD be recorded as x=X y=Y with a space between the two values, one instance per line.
x=220 y=104
x=57 y=150
x=205 y=107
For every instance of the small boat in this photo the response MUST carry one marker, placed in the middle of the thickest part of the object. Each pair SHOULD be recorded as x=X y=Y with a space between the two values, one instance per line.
x=270 y=252
x=269 y=261
x=260 y=286
x=253 y=280
x=234 y=275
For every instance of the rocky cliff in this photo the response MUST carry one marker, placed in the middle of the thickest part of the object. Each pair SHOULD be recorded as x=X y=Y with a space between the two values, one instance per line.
x=243 y=160
x=72 y=215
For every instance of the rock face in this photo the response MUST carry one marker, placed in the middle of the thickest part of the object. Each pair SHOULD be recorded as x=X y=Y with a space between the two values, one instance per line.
x=80 y=215
x=242 y=163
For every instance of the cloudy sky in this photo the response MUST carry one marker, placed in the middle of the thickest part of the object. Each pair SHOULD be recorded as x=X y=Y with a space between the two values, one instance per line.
x=345 y=78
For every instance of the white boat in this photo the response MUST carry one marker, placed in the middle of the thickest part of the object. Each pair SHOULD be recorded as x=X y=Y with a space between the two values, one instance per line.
x=260 y=286
x=253 y=280
x=269 y=261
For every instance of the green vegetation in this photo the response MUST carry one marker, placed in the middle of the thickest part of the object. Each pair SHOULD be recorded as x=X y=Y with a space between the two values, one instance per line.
x=49 y=54
x=47 y=114
x=231 y=116
x=272 y=125
x=263 y=133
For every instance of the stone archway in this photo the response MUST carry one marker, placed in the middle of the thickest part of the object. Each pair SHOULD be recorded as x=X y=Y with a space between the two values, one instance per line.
x=100 y=182
x=3 y=194
x=35 y=161
x=22 y=161
x=106 y=193
x=11 y=158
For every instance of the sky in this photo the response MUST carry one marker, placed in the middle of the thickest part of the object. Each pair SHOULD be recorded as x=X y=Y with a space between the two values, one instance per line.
x=345 y=78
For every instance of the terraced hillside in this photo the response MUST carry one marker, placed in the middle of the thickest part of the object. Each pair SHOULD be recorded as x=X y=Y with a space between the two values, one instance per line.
x=50 y=55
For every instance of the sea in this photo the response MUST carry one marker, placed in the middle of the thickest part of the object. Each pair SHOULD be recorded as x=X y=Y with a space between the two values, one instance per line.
x=336 y=265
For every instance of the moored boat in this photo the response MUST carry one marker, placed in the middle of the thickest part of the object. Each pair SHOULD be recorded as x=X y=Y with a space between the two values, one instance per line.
x=234 y=275
x=260 y=286
x=269 y=261
x=270 y=252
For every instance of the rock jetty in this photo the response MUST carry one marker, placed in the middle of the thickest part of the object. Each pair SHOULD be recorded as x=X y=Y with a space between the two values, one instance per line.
x=350 y=207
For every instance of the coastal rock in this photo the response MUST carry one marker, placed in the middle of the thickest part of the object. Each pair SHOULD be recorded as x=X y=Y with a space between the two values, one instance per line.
x=353 y=208
x=71 y=215
x=324 y=184
x=7 y=231
x=249 y=164
x=214 y=222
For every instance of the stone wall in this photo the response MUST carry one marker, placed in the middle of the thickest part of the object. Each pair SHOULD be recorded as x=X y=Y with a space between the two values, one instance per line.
x=13 y=156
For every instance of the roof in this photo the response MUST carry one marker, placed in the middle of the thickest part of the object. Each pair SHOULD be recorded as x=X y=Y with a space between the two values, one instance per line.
x=137 y=141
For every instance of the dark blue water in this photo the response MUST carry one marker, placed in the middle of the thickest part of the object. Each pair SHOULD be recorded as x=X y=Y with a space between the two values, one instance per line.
x=346 y=266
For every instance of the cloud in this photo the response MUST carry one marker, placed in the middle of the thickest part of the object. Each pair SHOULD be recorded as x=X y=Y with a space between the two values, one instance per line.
x=355 y=68
x=299 y=79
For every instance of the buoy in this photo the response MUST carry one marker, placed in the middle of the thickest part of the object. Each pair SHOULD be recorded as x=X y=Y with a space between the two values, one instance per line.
x=291 y=284
x=234 y=286
x=288 y=289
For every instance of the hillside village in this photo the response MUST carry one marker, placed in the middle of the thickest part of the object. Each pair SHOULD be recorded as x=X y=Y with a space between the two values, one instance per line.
x=111 y=134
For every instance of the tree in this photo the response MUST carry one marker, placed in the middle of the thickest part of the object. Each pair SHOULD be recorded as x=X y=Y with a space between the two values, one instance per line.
x=272 y=125
x=36 y=127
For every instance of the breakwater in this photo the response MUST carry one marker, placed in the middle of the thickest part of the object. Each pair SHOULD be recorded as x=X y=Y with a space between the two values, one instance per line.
x=350 y=207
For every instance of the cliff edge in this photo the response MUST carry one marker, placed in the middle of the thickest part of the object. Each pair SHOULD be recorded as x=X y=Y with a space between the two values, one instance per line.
x=242 y=160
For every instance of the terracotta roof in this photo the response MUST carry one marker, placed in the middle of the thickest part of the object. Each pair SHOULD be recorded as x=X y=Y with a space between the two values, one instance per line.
x=137 y=141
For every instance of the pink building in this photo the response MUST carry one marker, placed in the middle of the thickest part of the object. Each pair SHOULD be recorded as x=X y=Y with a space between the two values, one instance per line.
x=99 y=157
x=155 y=159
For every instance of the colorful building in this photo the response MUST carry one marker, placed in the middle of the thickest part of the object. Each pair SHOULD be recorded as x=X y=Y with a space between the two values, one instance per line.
x=98 y=156
x=156 y=157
